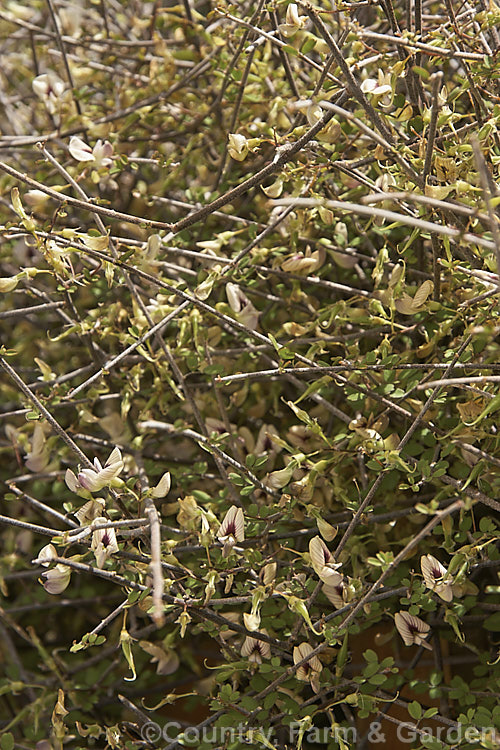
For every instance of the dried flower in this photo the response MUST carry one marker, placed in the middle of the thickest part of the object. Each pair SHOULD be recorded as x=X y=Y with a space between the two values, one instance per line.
x=264 y=443
x=168 y=660
x=303 y=488
x=267 y=574
x=280 y=478
x=103 y=542
x=234 y=617
x=8 y=283
x=252 y=619
x=205 y=534
x=434 y=574
x=90 y=511
x=322 y=560
x=327 y=531
x=36 y=199
x=303 y=264
x=38 y=458
x=189 y=513
x=274 y=190
x=311 y=670
x=412 y=629
x=72 y=19
x=244 y=310
x=183 y=620
x=72 y=482
x=314 y=114
x=407 y=305
x=232 y=529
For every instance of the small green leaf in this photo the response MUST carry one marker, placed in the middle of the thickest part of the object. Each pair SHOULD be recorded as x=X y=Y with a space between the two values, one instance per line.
x=308 y=45
x=342 y=655
x=430 y=712
x=378 y=679
x=451 y=618
x=371 y=669
x=492 y=622
x=314 y=387
x=7 y=741
x=415 y=710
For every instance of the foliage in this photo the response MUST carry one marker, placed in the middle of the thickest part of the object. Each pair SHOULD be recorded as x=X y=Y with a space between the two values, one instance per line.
x=249 y=314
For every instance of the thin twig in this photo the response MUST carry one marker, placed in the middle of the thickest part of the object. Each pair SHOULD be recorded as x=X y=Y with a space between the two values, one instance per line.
x=152 y=424
x=425 y=226
x=84 y=205
x=457 y=381
x=485 y=184
x=42 y=507
x=436 y=82
x=414 y=45
x=111 y=363
x=283 y=155
x=436 y=270
x=402 y=555
x=63 y=54
x=352 y=85
x=22 y=312
x=45 y=413
x=404 y=440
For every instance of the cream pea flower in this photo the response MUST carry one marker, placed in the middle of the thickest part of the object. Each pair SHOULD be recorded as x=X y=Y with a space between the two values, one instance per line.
x=333 y=589
x=412 y=629
x=100 y=155
x=104 y=542
x=50 y=89
x=255 y=650
x=243 y=309
x=232 y=529
x=95 y=479
x=237 y=146
x=311 y=669
x=435 y=577
x=57 y=579
x=323 y=561
x=293 y=22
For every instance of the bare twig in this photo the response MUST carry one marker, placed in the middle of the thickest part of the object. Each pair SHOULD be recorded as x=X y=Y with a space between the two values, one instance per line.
x=62 y=49
x=485 y=184
x=436 y=82
x=45 y=413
